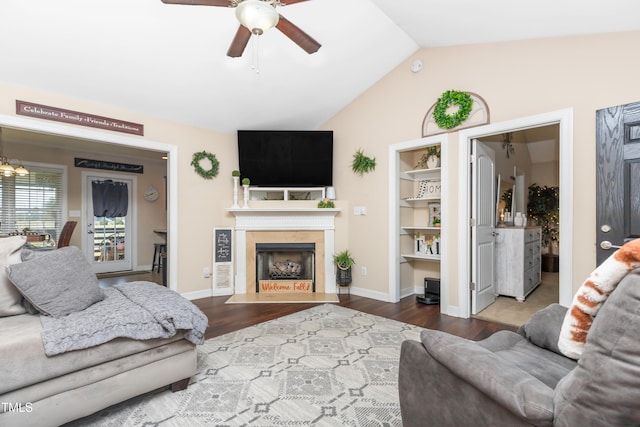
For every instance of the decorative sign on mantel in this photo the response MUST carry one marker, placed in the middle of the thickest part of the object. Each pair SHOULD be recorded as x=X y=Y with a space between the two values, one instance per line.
x=74 y=117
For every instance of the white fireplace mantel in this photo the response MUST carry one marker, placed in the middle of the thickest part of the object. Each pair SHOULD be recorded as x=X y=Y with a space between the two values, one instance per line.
x=286 y=219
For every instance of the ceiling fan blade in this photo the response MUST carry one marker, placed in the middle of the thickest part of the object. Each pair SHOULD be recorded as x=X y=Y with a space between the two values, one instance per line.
x=223 y=3
x=299 y=37
x=239 y=42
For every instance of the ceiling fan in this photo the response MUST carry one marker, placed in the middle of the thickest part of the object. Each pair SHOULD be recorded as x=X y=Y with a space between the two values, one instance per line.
x=256 y=17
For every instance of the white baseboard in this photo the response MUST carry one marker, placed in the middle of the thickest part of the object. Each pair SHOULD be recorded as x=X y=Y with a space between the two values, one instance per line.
x=205 y=293
x=380 y=296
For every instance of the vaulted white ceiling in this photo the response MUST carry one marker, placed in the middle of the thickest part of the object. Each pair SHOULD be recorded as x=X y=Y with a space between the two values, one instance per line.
x=170 y=60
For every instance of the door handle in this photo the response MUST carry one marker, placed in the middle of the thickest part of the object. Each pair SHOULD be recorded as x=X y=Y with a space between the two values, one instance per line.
x=606 y=245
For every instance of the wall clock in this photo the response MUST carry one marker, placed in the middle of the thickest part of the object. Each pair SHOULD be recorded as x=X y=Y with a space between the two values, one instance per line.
x=151 y=194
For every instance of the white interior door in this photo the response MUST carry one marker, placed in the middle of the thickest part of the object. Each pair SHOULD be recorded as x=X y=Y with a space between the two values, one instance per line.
x=108 y=240
x=483 y=211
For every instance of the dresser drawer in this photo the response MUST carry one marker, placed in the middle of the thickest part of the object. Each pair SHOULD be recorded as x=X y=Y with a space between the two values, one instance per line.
x=532 y=235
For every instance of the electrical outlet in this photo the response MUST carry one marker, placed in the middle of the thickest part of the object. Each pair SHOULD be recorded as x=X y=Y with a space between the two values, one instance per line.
x=206 y=273
x=363 y=271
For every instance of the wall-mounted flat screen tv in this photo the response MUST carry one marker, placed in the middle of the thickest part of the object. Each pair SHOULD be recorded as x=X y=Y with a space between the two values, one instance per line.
x=286 y=158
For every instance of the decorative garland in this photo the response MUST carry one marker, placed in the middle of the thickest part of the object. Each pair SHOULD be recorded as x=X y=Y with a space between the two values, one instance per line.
x=452 y=97
x=206 y=174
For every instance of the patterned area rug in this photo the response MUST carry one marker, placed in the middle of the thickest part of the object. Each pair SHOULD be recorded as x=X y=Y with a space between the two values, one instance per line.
x=325 y=366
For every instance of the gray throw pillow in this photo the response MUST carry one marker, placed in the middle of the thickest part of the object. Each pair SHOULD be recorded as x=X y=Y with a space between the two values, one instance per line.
x=543 y=328
x=10 y=298
x=58 y=283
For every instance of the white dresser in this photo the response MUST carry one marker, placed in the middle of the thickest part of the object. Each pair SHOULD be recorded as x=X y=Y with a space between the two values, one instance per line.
x=517 y=261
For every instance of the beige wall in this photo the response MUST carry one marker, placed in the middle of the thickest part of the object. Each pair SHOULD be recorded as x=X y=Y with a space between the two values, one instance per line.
x=516 y=79
x=201 y=203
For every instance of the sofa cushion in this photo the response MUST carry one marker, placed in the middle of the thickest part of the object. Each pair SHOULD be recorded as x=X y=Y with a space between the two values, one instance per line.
x=58 y=283
x=24 y=362
x=604 y=389
x=543 y=328
x=10 y=298
x=508 y=384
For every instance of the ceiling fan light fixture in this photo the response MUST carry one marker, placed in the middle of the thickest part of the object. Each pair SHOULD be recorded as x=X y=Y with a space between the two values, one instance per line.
x=258 y=16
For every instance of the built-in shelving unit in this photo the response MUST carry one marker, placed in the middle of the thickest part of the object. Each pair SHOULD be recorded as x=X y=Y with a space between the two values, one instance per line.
x=286 y=193
x=417 y=199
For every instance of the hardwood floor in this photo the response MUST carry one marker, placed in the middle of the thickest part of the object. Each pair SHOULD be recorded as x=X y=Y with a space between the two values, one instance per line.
x=225 y=318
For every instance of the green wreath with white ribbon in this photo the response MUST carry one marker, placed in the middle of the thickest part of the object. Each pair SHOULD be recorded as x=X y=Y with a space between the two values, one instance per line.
x=448 y=99
x=205 y=173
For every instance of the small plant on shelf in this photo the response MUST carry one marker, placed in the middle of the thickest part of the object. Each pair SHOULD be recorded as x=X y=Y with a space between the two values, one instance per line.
x=235 y=173
x=326 y=203
x=246 y=181
x=436 y=222
x=430 y=158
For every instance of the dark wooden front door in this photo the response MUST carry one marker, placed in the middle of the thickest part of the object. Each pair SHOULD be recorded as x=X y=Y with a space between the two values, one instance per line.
x=617 y=177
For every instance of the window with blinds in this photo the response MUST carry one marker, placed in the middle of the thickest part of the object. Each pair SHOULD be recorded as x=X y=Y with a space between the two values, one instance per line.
x=33 y=202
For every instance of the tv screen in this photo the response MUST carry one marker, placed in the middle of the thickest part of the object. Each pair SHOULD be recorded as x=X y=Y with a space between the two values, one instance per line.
x=286 y=158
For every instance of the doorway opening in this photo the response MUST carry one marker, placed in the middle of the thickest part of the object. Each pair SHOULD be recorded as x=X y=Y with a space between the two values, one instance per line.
x=525 y=159
x=43 y=133
x=564 y=121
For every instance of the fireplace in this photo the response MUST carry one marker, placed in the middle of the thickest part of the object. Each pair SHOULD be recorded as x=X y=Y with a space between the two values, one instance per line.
x=289 y=226
x=285 y=267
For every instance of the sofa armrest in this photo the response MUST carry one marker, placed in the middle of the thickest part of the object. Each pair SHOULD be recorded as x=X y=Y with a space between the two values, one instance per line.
x=513 y=388
x=543 y=328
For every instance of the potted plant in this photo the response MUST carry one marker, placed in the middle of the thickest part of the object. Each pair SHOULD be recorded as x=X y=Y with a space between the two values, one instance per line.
x=544 y=208
x=430 y=159
x=343 y=261
x=362 y=164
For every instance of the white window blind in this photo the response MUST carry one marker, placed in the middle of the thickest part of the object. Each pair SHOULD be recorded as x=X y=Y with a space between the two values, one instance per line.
x=34 y=201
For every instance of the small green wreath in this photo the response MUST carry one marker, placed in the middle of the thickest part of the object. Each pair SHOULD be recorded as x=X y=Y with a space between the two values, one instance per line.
x=206 y=174
x=450 y=98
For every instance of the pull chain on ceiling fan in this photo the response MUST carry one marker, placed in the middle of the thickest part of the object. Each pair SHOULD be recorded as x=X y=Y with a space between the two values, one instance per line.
x=256 y=17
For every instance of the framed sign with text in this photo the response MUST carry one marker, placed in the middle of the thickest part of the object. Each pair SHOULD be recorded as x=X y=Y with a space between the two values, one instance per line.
x=222 y=261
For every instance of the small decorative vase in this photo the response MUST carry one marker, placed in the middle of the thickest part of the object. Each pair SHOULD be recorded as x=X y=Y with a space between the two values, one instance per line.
x=432 y=162
x=518 y=220
x=246 y=196
x=236 y=180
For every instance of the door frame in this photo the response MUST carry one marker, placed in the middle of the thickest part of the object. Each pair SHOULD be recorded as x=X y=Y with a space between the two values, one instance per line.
x=132 y=228
x=106 y=137
x=394 y=292
x=563 y=118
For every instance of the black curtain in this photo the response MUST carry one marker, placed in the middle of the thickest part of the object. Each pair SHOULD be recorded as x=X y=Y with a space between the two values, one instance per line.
x=110 y=199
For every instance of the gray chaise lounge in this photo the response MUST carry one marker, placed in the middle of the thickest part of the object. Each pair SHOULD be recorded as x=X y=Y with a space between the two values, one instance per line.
x=80 y=368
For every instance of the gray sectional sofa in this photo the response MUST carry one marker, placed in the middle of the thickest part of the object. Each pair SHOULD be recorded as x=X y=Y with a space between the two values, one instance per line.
x=521 y=379
x=40 y=389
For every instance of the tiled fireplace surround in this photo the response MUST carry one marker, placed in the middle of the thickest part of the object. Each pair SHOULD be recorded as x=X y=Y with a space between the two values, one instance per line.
x=284 y=225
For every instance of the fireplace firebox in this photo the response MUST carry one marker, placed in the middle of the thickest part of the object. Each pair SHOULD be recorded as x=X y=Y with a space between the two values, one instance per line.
x=285 y=267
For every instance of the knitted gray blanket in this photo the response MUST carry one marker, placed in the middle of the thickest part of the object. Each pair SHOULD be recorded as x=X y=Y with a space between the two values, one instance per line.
x=137 y=310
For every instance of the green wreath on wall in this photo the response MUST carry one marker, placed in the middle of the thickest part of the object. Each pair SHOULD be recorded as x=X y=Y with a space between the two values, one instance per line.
x=211 y=172
x=448 y=99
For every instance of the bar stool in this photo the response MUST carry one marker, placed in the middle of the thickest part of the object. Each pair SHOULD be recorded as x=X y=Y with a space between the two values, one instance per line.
x=159 y=251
